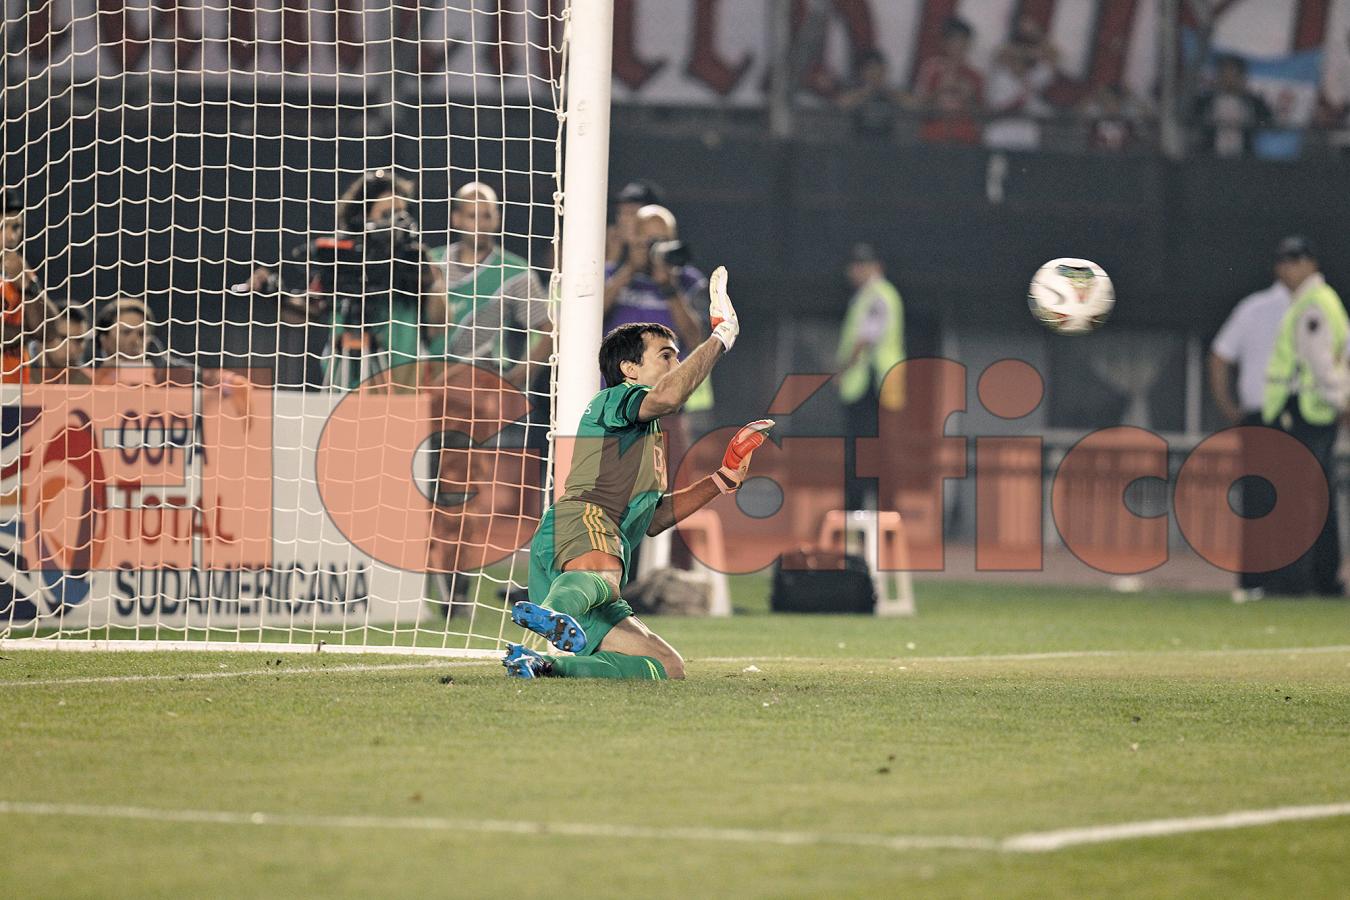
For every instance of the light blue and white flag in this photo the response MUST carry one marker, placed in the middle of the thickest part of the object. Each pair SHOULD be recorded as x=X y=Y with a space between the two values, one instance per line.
x=1289 y=84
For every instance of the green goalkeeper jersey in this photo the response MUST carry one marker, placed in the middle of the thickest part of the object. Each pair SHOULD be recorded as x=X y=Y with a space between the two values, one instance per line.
x=618 y=461
x=618 y=477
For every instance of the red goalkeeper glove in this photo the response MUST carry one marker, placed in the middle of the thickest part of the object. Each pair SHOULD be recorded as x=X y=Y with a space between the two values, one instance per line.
x=736 y=461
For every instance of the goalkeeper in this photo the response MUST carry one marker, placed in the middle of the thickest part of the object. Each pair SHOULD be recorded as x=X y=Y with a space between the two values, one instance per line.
x=615 y=494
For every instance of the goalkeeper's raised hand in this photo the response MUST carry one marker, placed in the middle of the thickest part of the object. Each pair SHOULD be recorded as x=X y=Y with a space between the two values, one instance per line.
x=736 y=461
x=722 y=315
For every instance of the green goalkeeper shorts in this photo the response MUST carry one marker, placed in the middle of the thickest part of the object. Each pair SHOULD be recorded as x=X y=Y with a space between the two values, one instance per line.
x=581 y=528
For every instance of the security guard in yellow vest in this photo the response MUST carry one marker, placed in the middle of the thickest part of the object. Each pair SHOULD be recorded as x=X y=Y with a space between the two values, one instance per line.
x=871 y=341
x=1307 y=388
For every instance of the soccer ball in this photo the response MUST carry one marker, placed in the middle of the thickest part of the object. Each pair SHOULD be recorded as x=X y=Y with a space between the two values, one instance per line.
x=1071 y=296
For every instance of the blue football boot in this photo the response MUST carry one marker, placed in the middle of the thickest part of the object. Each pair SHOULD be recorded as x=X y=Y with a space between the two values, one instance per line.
x=522 y=662
x=559 y=629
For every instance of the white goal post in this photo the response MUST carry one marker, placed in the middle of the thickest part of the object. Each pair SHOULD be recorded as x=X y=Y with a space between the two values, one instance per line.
x=296 y=300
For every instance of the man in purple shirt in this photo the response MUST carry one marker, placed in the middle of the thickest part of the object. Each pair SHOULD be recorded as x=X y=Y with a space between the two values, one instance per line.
x=651 y=284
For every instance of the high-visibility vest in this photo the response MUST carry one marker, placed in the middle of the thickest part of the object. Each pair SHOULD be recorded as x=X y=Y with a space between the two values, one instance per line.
x=885 y=353
x=1287 y=373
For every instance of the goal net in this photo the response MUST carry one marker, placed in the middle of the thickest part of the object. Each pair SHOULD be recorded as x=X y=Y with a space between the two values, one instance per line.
x=280 y=290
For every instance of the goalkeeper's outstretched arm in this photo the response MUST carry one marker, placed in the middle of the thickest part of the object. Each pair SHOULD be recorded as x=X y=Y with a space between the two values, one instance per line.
x=671 y=390
x=726 y=480
x=669 y=393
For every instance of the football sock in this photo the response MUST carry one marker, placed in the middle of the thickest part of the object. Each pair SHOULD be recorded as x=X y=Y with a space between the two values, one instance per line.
x=574 y=593
x=607 y=664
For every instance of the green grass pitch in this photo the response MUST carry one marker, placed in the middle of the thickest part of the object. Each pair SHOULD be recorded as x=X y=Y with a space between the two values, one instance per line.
x=804 y=757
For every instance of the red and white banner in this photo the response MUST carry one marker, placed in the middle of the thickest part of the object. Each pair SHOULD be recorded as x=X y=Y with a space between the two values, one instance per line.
x=665 y=51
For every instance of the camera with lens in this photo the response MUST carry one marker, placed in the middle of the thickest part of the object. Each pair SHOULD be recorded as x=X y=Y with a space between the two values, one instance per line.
x=362 y=269
x=675 y=254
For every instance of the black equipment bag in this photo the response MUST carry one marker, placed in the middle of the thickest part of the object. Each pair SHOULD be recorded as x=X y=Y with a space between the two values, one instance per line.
x=822 y=581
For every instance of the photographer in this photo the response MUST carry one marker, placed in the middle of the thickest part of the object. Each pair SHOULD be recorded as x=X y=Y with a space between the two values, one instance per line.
x=370 y=286
x=653 y=281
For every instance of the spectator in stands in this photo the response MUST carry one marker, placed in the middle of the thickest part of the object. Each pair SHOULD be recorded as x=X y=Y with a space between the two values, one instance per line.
x=1113 y=119
x=871 y=341
x=64 y=351
x=1307 y=391
x=1230 y=113
x=127 y=351
x=1029 y=41
x=126 y=347
x=1245 y=342
x=1023 y=69
x=125 y=336
x=873 y=102
x=949 y=90
x=633 y=196
x=24 y=304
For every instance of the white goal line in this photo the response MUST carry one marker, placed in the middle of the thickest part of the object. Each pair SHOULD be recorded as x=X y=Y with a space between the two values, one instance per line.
x=242 y=673
x=81 y=645
x=1028 y=842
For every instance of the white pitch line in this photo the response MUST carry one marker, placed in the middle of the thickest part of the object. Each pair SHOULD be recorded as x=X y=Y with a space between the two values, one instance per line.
x=1045 y=841
x=1030 y=842
x=206 y=676
x=499 y=826
x=1033 y=657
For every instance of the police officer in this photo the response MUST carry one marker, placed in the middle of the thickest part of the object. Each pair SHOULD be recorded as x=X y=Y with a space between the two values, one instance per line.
x=871 y=341
x=1307 y=386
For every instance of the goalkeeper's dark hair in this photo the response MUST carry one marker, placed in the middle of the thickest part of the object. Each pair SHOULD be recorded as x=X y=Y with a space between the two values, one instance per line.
x=627 y=344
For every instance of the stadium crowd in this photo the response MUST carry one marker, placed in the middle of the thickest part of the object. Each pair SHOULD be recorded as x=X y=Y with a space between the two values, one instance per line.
x=1023 y=90
x=1001 y=108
